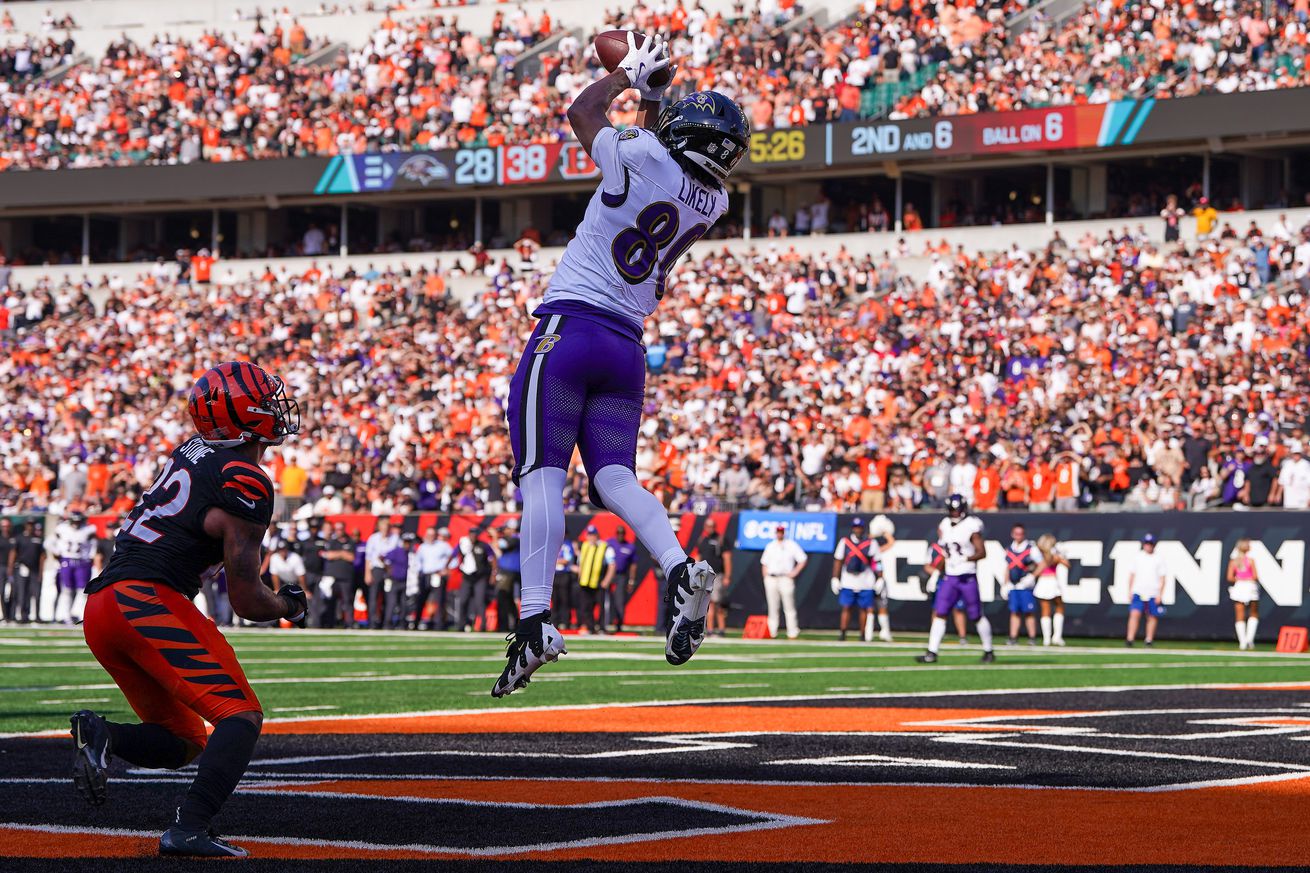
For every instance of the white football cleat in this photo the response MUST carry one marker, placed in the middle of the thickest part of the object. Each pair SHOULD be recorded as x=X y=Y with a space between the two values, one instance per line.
x=535 y=644
x=688 y=596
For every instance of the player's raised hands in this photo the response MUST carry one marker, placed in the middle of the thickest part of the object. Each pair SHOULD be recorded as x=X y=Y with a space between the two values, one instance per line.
x=642 y=60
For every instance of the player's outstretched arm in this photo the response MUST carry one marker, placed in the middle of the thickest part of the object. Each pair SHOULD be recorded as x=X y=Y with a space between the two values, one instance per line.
x=589 y=114
x=250 y=598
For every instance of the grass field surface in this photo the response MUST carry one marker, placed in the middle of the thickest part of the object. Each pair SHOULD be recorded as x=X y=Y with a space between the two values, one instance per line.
x=48 y=672
x=806 y=755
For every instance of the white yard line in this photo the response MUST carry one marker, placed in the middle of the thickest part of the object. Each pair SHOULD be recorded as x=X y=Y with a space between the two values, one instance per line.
x=767 y=671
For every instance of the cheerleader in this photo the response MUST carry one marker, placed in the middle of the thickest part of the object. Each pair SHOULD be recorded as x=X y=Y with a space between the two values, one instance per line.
x=1050 y=589
x=1244 y=589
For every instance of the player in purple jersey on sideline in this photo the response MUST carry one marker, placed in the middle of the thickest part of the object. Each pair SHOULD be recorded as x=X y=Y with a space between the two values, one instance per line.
x=960 y=538
x=581 y=380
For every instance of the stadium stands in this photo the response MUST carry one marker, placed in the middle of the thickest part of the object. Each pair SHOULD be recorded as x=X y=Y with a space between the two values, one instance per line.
x=1156 y=376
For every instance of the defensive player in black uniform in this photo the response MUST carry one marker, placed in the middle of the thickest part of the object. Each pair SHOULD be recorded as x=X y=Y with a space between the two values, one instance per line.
x=210 y=505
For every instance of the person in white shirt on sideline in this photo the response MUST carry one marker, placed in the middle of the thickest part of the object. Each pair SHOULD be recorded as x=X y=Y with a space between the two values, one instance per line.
x=288 y=568
x=379 y=544
x=782 y=561
x=435 y=559
x=1146 y=582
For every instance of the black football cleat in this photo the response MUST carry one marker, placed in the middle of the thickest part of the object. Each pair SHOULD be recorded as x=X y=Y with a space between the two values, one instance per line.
x=205 y=843
x=91 y=758
x=533 y=645
x=927 y=658
x=688 y=597
x=989 y=657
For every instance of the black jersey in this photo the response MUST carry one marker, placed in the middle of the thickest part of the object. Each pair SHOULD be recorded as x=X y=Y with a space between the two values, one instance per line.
x=164 y=538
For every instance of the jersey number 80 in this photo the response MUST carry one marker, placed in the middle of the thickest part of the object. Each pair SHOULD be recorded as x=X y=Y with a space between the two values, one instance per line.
x=637 y=249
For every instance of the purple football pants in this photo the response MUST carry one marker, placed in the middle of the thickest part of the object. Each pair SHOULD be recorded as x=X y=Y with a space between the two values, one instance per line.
x=579 y=384
x=954 y=588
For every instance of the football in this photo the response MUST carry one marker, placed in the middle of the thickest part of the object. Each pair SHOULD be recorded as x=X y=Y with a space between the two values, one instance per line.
x=612 y=47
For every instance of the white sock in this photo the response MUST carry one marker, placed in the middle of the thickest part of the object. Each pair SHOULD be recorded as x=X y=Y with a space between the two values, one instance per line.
x=984 y=632
x=542 y=536
x=1251 y=624
x=1059 y=627
x=869 y=624
x=1240 y=627
x=1046 y=630
x=936 y=634
x=624 y=496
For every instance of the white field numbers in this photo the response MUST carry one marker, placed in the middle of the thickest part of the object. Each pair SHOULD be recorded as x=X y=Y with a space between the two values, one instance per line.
x=165 y=482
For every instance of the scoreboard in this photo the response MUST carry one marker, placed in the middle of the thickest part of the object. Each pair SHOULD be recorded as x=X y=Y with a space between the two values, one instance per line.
x=518 y=164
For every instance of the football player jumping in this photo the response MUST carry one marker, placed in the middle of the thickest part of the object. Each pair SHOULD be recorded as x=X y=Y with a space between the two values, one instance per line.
x=581 y=379
x=211 y=504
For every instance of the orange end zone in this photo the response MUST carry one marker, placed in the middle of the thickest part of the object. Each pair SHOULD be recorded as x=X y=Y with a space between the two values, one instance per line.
x=1259 y=825
x=659 y=719
x=937 y=824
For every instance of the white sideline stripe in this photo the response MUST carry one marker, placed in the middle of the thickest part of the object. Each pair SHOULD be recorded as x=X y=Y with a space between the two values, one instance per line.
x=776 y=698
x=269 y=779
x=52 y=636
x=991 y=740
x=768 y=821
x=892 y=761
x=654 y=656
x=645 y=674
x=302 y=708
x=681 y=743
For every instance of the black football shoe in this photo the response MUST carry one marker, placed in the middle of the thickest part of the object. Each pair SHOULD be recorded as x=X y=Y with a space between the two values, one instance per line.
x=688 y=597
x=535 y=644
x=179 y=841
x=91 y=758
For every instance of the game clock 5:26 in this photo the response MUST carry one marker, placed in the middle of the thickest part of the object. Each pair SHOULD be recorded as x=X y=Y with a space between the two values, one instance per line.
x=777 y=146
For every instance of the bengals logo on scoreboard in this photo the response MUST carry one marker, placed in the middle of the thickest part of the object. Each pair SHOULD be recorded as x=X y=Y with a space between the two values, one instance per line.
x=575 y=163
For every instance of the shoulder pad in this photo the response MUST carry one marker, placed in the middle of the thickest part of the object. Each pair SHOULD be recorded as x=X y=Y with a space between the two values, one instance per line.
x=245 y=491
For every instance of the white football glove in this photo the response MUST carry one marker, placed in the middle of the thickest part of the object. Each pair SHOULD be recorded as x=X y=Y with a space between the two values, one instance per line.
x=642 y=60
x=1006 y=588
x=836 y=587
x=931 y=587
x=1028 y=581
x=880 y=586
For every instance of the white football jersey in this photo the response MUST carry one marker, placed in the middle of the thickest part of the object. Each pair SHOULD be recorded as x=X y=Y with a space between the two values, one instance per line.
x=72 y=542
x=955 y=539
x=643 y=218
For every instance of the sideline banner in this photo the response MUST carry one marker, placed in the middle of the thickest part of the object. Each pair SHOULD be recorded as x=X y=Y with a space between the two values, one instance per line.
x=812 y=531
x=1100 y=548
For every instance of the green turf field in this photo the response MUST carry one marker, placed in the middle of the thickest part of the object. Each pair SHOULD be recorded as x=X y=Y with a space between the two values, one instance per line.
x=48 y=672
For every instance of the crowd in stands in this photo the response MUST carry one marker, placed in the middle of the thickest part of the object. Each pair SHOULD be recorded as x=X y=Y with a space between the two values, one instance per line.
x=416 y=82
x=31 y=57
x=1106 y=370
x=421 y=81
x=1112 y=51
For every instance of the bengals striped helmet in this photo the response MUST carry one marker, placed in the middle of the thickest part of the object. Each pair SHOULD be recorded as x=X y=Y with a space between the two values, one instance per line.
x=237 y=402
